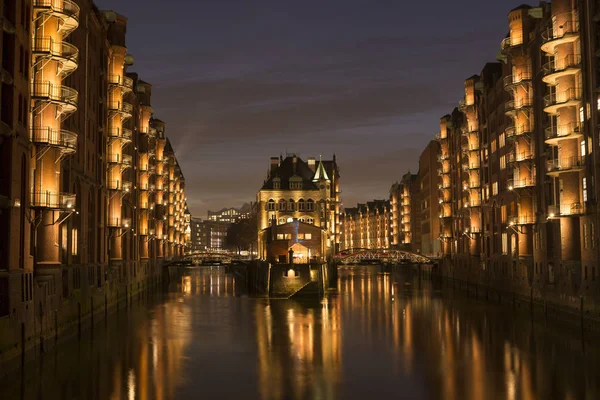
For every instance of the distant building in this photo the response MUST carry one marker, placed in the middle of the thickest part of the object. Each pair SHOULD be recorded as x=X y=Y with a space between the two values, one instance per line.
x=305 y=191
x=231 y=215
x=366 y=226
x=208 y=235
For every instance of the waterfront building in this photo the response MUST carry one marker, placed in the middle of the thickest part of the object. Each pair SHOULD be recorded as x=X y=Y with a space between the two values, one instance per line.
x=91 y=195
x=519 y=180
x=306 y=191
x=366 y=226
x=405 y=217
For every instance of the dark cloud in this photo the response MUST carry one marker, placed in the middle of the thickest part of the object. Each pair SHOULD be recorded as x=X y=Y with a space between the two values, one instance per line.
x=239 y=81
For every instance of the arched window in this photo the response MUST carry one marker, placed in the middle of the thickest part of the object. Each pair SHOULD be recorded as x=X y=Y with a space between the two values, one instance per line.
x=310 y=220
x=310 y=205
x=271 y=205
x=282 y=205
x=281 y=221
x=291 y=205
x=301 y=205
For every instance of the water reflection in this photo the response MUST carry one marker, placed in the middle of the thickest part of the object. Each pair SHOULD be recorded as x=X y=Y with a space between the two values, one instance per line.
x=382 y=335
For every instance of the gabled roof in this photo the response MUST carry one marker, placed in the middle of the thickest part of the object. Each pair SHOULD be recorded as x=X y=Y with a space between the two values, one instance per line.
x=320 y=173
x=286 y=170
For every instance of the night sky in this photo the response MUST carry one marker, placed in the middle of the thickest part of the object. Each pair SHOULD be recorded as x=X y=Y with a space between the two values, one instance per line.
x=239 y=81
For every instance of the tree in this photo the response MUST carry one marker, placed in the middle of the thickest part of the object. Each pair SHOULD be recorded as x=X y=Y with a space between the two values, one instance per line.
x=243 y=234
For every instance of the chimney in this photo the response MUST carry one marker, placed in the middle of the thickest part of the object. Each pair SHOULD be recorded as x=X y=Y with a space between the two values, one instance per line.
x=274 y=163
x=311 y=164
x=294 y=161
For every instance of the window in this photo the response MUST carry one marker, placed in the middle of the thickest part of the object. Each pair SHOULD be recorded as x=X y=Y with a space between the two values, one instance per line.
x=584 y=186
x=310 y=220
x=582 y=144
x=308 y=236
x=291 y=205
x=585 y=236
x=271 y=205
x=581 y=115
x=502 y=140
x=494 y=188
x=310 y=205
x=74 y=242
x=493 y=145
x=503 y=162
x=280 y=236
x=592 y=235
x=282 y=205
x=281 y=221
x=296 y=185
x=300 y=236
x=301 y=205
x=505 y=243
x=276 y=185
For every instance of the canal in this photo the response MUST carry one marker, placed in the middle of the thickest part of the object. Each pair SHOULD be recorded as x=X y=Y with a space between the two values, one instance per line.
x=380 y=336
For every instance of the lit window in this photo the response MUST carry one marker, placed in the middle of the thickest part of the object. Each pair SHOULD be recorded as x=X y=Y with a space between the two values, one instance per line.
x=584 y=186
x=581 y=116
x=280 y=236
x=505 y=243
x=271 y=205
x=582 y=145
x=310 y=205
x=502 y=140
x=503 y=162
x=494 y=188
x=308 y=236
x=300 y=236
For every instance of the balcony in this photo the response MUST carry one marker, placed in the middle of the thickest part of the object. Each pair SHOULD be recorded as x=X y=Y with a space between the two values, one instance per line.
x=442 y=157
x=62 y=139
x=64 y=96
x=512 y=158
x=127 y=161
x=471 y=167
x=525 y=219
x=119 y=223
x=557 y=34
x=469 y=132
x=122 y=81
x=568 y=98
x=565 y=164
x=122 y=108
x=469 y=147
x=555 y=69
x=53 y=200
x=565 y=210
x=511 y=81
x=113 y=158
x=464 y=107
x=63 y=52
x=511 y=42
x=554 y=134
x=513 y=131
x=513 y=184
x=66 y=10
x=114 y=185
x=513 y=106
x=127 y=186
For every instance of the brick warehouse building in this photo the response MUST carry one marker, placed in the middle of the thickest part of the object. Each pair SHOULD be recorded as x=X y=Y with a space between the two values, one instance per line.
x=306 y=191
x=91 y=194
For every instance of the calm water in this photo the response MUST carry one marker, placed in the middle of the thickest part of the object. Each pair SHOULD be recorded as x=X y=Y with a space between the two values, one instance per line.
x=381 y=336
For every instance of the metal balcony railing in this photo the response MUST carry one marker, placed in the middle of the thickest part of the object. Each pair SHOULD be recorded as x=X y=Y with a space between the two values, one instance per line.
x=114 y=185
x=53 y=200
x=127 y=160
x=557 y=210
x=66 y=7
x=563 y=97
x=565 y=164
x=113 y=158
x=519 y=157
x=564 y=130
x=562 y=64
x=512 y=130
x=559 y=31
x=520 y=183
x=524 y=219
x=516 y=79
x=66 y=140
x=120 y=107
x=511 y=41
x=55 y=93
x=513 y=105
x=47 y=46
x=121 y=80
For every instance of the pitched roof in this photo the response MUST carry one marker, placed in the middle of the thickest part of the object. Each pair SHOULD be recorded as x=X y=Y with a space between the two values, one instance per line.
x=285 y=171
x=320 y=173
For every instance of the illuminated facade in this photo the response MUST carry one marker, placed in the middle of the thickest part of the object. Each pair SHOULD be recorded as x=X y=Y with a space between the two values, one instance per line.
x=308 y=191
x=84 y=167
x=517 y=161
x=405 y=217
x=366 y=226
